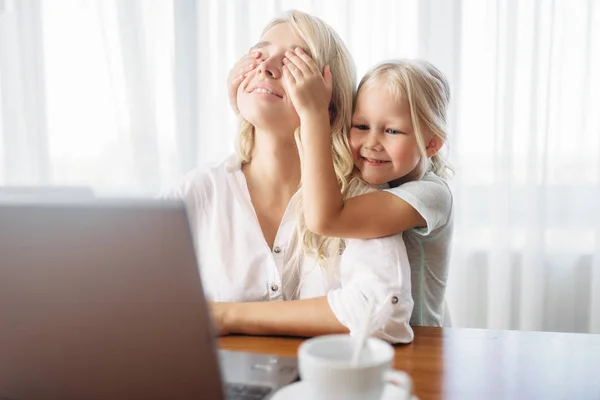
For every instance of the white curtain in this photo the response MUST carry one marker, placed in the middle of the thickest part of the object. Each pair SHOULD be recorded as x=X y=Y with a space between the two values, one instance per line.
x=126 y=96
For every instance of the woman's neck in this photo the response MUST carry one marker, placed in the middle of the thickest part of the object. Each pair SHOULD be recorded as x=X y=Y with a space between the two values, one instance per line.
x=272 y=176
x=275 y=164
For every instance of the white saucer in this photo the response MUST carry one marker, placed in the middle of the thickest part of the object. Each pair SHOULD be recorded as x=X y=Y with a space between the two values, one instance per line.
x=297 y=391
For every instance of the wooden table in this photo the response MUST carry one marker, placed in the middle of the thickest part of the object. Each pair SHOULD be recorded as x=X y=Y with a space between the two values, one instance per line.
x=455 y=363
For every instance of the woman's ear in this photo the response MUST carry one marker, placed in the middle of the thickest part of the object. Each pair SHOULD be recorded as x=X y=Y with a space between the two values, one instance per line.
x=434 y=145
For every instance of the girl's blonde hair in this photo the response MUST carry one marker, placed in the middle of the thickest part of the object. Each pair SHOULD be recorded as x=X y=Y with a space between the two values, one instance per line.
x=428 y=95
x=326 y=48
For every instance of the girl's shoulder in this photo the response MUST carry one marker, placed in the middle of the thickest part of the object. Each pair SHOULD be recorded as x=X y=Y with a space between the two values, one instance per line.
x=430 y=179
x=431 y=197
x=429 y=190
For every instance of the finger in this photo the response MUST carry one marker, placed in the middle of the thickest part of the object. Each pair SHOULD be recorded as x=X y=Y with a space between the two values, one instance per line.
x=234 y=73
x=242 y=65
x=289 y=82
x=236 y=82
x=328 y=77
x=298 y=62
x=246 y=64
x=310 y=63
x=233 y=88
x=246 y=71
x=251 y=57
x=254 y=52
x=249 y=67
x=247 y=76
x=294 y=70
x=252 y=60
x=288 y=78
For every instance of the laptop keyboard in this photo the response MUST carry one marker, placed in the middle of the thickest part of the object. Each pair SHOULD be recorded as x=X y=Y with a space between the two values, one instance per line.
x=241 y=391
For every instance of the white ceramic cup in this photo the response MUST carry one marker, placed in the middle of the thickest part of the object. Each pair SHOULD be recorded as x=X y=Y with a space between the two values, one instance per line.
x=325 y=367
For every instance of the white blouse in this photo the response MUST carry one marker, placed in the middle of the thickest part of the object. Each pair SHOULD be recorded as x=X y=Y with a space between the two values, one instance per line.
x=237 y=265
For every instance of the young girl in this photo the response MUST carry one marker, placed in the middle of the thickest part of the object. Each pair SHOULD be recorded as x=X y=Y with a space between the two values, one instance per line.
x=398 y=128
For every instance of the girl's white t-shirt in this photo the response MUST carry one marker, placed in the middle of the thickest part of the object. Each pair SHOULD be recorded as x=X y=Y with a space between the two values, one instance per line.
x=428 y=248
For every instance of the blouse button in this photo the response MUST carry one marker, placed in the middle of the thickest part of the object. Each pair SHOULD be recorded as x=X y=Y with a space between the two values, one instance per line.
x=394 y=300
x=277 y=249
x=274 y=288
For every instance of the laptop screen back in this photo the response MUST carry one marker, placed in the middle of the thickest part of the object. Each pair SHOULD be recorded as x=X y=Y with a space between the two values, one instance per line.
x=102 y=300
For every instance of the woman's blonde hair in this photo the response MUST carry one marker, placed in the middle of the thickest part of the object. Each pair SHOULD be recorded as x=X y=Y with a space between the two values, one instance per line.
x=428 y=95
x=326 y=48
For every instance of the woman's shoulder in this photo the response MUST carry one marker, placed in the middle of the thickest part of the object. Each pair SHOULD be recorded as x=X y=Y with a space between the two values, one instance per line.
x=203 y=179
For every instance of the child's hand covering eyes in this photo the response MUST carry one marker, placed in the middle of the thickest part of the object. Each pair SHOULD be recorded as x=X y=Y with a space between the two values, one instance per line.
x=309 y=90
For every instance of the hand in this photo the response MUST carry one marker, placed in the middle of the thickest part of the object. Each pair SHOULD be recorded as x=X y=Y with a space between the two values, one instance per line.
x=219 y=312
x=238 y=73
x=309 y=90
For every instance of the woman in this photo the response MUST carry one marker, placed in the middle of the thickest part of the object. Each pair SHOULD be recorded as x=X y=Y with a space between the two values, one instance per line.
x=246 y=215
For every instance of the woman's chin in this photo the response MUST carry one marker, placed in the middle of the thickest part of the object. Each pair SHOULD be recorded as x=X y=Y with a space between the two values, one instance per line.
x=271 y=120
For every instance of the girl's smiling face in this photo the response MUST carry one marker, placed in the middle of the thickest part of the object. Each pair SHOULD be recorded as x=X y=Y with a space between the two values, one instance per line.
x=382 y=140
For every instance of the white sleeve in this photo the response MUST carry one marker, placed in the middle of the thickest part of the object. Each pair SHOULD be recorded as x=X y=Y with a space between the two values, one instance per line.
x=431 y=197
x=375 y=270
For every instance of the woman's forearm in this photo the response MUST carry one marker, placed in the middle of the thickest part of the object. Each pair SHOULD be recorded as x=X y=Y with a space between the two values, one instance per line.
x=308 y=317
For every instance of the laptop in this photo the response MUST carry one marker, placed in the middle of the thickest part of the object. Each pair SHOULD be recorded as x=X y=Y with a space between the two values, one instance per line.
x=102 y=300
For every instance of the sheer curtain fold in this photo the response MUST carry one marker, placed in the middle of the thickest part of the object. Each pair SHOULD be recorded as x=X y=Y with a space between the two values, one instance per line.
x=531 y=293
x=186 y=67
x=503 y=266
x=126 y=96
x=24 y=118
x=592 y=125
x=140 y=92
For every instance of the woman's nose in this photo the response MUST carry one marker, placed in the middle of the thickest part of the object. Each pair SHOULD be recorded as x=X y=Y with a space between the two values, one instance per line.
x=271 y=68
